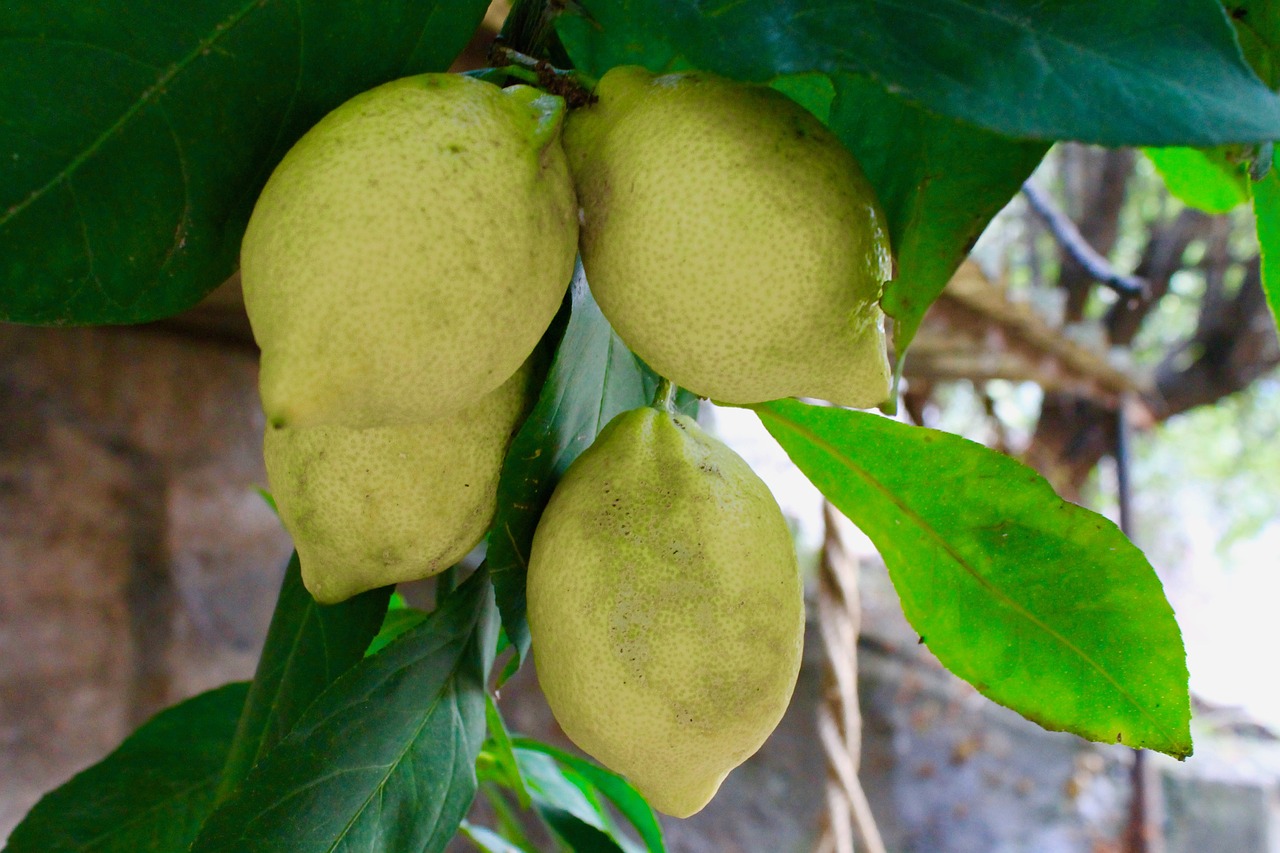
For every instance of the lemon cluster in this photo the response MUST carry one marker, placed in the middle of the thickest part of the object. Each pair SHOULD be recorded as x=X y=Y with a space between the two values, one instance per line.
x=399 y=268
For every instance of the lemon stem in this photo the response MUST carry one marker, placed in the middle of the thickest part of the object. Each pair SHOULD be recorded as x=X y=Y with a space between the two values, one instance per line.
x=573 y=85
x=664 y=399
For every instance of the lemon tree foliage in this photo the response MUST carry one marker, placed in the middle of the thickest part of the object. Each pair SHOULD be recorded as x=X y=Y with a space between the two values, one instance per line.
x=949 y=112
x=1042 y=605
x=1020 y=68
x=136 y=138
x=307 y=647
x=383 y=759
x=152 y=793
x=134 y=144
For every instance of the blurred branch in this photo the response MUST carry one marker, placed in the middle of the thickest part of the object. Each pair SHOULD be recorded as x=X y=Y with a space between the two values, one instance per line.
x=1160 y=260
x=1069 y=237
x=1234 y=343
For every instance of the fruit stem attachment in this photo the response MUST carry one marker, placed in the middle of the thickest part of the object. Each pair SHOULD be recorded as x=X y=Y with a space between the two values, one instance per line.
x=574 y=86
x=664 y=399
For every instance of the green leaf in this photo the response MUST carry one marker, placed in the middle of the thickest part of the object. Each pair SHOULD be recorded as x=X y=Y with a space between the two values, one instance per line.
x=1214 y=180
x=1021 y=68
x=1040 y=604
x=814 y=92
x=151 y=794
x=628 y=801
x=504 y=754
x=1257 y=24
x=567 y=811
x=486 y=839
x=593 y=377
x=506 y=818
x=939 y=181
x=582 y=837
x=385 y=758
x=308 y=646
x=136 y=135
x=1266 y=209
x=395 y=623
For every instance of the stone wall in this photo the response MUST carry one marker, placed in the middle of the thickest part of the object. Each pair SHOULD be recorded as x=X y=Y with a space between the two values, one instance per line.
x=138 y=565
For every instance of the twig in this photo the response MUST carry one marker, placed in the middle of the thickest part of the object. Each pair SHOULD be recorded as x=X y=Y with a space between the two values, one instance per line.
x=573 y=86
x=1069 y=237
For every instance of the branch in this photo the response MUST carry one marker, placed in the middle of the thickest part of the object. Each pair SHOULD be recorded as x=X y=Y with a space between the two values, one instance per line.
x=1068 y=236
x=1232 y=347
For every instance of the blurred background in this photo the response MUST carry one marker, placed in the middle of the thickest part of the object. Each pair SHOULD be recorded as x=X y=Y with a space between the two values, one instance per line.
x=1104 y=332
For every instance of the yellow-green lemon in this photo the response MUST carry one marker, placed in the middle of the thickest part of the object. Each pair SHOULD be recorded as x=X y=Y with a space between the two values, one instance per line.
x=665 y=607
x=408 y=252
x=730 y=239
x=374 y=506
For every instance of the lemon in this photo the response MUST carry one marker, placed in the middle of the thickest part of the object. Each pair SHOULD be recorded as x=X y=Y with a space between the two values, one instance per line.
x=373 y=506
x=408 y=252
x=665 y=607
x=730 y=239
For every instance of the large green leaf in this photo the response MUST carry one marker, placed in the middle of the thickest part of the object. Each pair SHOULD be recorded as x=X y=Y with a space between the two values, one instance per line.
x=592 y=378
x=1149 y=72
x=1266 y=209
x=135 y=135
x=1040 y=604
x=385 y=758
x=940 y=182
x=308 y=646
x=151 y=794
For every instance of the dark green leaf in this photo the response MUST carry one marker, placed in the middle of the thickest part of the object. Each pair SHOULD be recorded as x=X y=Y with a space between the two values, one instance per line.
x=151 y=794
x=137 y=134
x=385 y=758
x=1214 y=180
x=1266 y=208
x=1040 y=604
x=308 y=646
x=628 y=801
x=1257 y=25
x=1021 y=68
x=394 y=624
x=939 y=181
x=582 y=837
x=592 y=378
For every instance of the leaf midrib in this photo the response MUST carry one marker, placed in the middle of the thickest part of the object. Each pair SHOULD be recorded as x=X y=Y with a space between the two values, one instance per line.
x=219 y=31
x=937 y=537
